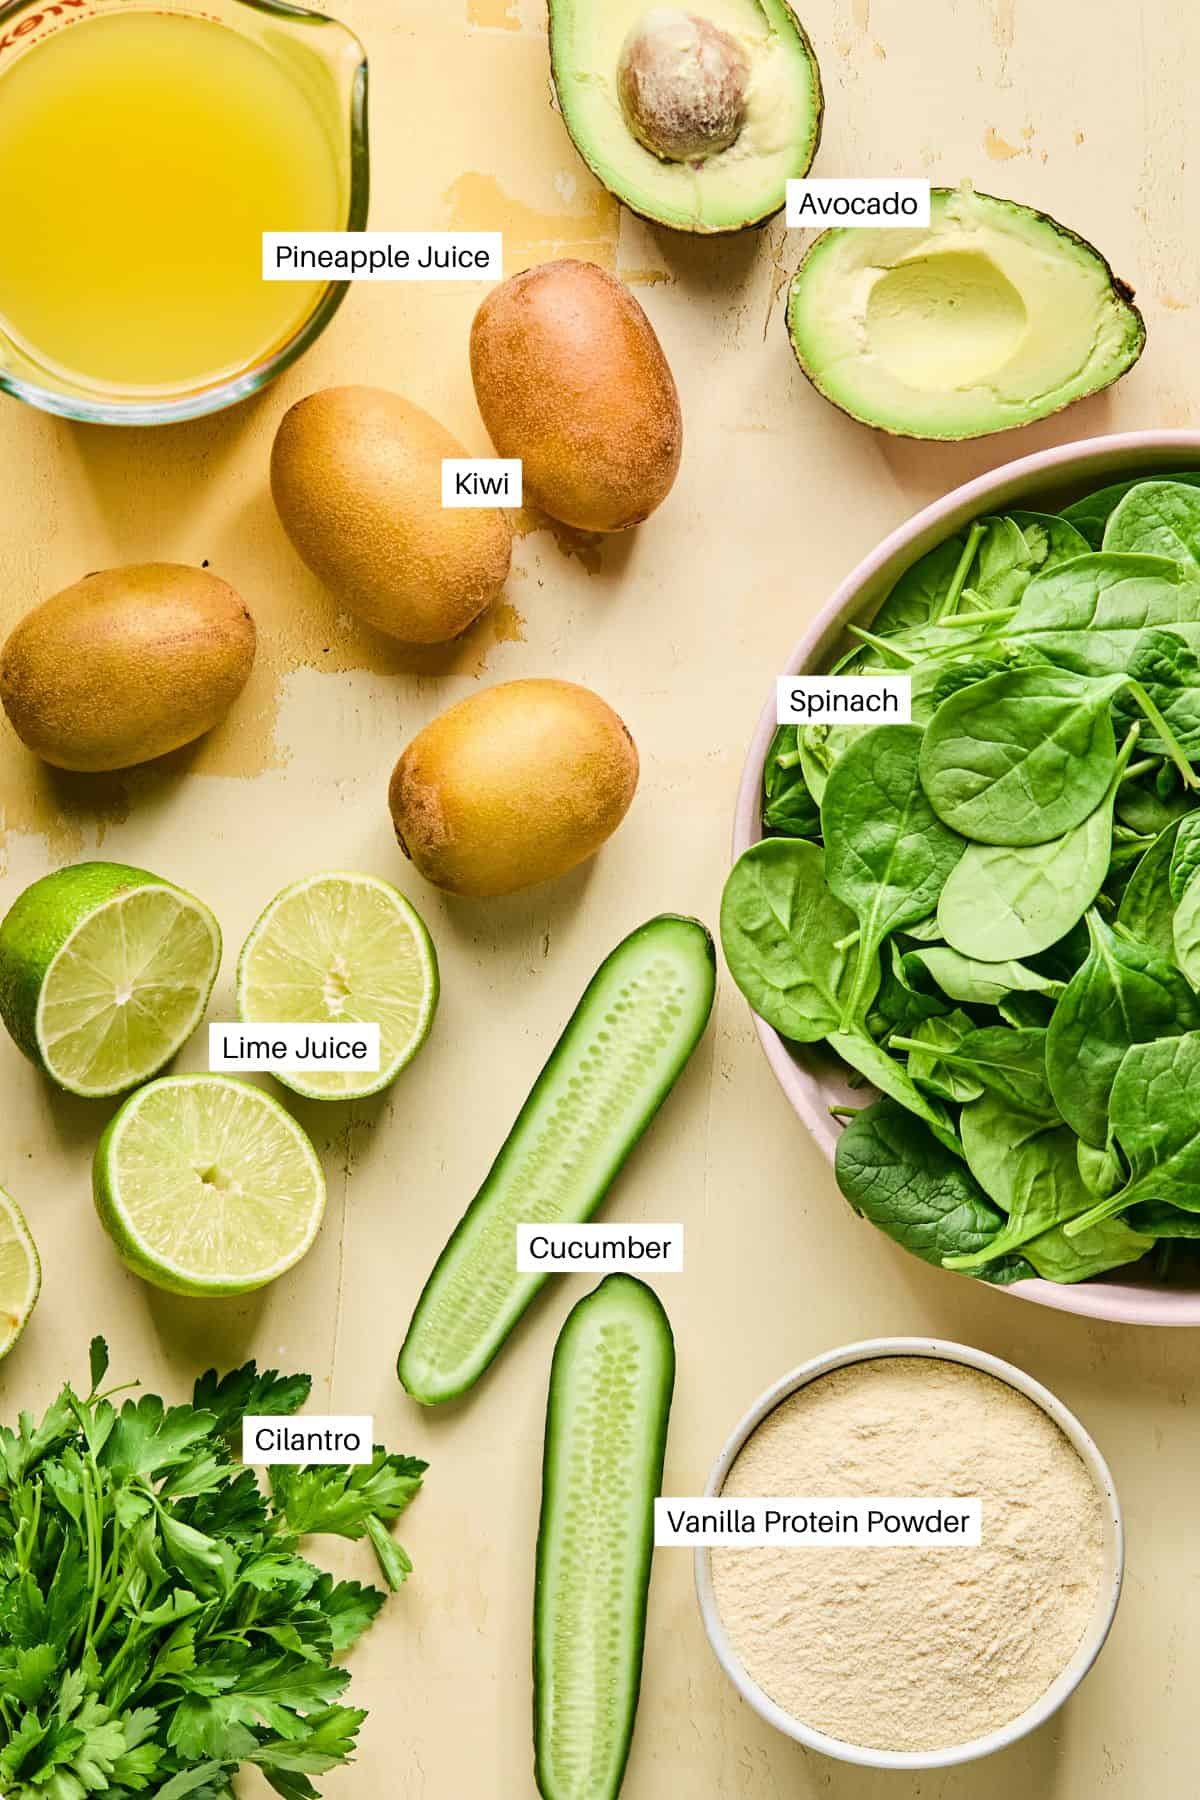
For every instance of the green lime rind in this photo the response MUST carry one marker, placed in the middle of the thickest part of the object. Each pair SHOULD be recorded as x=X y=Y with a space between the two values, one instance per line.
x=259 y=1001
x=20 y=1273
x=161 y=1167
x=39 y=927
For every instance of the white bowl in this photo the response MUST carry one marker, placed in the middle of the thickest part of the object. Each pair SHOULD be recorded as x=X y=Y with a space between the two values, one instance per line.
x=1090 y=1645
x=810 y=1075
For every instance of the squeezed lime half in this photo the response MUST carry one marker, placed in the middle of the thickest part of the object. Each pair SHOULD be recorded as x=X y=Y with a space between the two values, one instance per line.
x=207 y=1186
x=105 y=972
x=346 y=950
x=20 y=1273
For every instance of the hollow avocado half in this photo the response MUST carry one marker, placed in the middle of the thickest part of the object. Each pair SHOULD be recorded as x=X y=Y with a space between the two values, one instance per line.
x=694 y=116
x=992 y=316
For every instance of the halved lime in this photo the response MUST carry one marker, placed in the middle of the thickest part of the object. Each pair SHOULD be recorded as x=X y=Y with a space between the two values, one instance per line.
x=105 y=972
x=20 y=1273
x=207 y=1186
x=342 y=949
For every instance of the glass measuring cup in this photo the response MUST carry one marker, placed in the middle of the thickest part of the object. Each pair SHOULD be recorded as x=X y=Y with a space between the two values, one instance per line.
x=307 y=67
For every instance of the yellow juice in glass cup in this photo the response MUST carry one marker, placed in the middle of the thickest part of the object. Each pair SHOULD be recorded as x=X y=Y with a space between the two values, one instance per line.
x=142 y=156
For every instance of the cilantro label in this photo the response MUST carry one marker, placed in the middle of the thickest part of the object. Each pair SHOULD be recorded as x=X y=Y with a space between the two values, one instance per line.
x=308 y=1438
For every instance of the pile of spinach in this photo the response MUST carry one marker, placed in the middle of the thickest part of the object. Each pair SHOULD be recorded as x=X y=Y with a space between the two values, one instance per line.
x=992 y=915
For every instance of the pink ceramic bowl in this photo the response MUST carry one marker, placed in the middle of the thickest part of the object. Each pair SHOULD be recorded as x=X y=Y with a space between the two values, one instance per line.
x=810 y=1076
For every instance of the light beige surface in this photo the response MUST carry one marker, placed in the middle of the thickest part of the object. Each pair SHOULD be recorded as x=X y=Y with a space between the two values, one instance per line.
x=1082 y=106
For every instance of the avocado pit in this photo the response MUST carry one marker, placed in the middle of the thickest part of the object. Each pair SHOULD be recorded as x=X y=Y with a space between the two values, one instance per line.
x=683 y=85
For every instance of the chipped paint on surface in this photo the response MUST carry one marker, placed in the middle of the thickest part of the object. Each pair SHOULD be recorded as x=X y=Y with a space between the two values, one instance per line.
x=586 y=227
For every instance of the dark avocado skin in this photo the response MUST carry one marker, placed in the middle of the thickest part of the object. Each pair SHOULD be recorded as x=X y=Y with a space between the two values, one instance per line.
x=1116 y=282
x=747 y=224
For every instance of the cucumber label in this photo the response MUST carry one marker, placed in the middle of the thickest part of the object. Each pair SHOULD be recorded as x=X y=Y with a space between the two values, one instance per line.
x=599 y=1249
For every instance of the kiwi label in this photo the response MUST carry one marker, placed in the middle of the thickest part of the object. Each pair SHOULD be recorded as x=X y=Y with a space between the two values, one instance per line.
x=481 y=481
x=863 y=200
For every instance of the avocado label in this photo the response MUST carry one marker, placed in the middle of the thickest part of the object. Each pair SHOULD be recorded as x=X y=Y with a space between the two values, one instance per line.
x=599 y=1249
x=383 y=255
x=865 y=200
x=843 y=700
x=870 y=1522
x=481 y=481
x=308 y=1438
x=320 y=1048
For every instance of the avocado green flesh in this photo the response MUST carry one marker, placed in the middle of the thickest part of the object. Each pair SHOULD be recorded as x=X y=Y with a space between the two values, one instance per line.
x=736 y=187
x=628 y=1040
x=606 y=1431
x=992 y=316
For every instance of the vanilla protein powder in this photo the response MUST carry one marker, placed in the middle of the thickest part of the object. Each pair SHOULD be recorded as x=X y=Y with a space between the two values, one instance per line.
x=909 y=1649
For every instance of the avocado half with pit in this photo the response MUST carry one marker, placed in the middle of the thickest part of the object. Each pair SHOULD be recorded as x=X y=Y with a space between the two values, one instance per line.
x=694 y=117
x=992 y=316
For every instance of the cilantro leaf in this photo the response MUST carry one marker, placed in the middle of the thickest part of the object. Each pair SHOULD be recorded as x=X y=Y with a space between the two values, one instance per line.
x=350 y=1608
x=229 y=1398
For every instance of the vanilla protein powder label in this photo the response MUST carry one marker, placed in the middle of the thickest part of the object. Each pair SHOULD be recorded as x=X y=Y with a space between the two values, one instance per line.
x=810 y=1523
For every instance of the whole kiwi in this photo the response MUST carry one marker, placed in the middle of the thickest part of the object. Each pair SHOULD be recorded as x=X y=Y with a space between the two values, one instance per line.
x=513 y=786
x=126 y=665
x=356 y=475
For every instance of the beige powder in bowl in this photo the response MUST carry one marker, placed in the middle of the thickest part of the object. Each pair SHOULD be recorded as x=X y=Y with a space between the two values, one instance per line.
x=914 y=1650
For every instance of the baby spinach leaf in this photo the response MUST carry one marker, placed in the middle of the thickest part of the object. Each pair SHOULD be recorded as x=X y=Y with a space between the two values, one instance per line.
x=1158 y=1220
x=1185 y=931
x=1168 y=670
x=922 y=590
x=976 y=983
x=902 y=1003
x=1052 y=539
x=887 y=854
x=946 y=1077
x=1147 y=910
x=788 y=807
x=1090 y=515
x=1101 y=1171
x=894 y=1173
x=1004 y=563
x=1087 y=615
x=1158 y=518
x=1010 y=1063
x=893 y=1079
x=820 y=747
x=1109 y=1245
x=1019 y=900
x=1022 y=757
x=1126 y=993
x=780 y=928
x=1027 y=1167
x=1185 y=855
x=1154 y=1113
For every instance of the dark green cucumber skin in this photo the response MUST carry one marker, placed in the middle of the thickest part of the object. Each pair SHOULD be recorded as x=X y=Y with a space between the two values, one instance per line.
x=562 y=1049
x=641 y=1549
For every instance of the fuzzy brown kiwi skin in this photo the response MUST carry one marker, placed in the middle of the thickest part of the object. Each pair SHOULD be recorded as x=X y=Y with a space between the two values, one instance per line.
x=698 y=230
x=1116 y=282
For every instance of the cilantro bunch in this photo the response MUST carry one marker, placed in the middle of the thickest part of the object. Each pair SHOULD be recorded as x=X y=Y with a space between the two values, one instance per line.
x=157 y=1626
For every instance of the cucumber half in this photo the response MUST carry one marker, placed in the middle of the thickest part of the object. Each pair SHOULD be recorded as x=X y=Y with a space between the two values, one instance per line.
x=640 y=1018
x=606 y=1435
